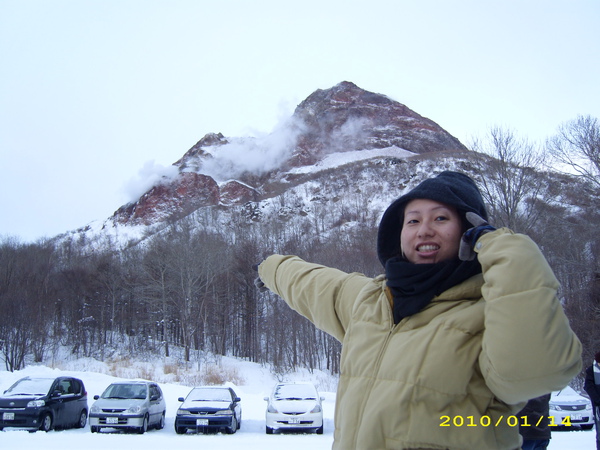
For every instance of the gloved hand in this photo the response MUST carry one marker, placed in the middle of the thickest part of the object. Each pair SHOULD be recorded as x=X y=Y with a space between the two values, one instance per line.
x=466 y=250
x=258 y=282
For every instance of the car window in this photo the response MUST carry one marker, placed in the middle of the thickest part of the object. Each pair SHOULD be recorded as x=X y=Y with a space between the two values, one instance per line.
x=76 y=386
x=125 y=391
x=65 y=387
x=155 y=391
x=140 y=392
x=295 y=392
x=30 y=386
x=568 y=390
x=210 y=394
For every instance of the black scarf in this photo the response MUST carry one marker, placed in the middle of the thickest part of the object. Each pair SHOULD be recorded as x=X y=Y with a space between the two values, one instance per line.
x=414 y=285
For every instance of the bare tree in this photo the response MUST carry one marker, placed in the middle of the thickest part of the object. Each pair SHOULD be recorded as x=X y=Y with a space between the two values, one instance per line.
x=511 y=183
x=155 y=272
x=194 y=260
x=25 y=271
x=577 y=146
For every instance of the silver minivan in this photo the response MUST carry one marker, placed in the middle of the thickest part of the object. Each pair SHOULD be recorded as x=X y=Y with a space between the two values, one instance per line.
x=135 y=405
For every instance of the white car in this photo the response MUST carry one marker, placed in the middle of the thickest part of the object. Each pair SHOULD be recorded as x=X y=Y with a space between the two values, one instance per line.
x=135 y=405
x=294 y=406
x=569 y=409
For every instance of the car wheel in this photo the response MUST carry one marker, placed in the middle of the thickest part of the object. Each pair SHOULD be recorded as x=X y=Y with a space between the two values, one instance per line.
x=180 y=430
x=94 y=429
x=161 y=422
x=82 y=419
x=234 y=426
x=269 y=430
x=46 y=422
x=320 y=430
x=144 y=427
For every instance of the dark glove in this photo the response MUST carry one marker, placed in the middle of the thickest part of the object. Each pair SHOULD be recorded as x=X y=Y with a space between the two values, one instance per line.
x=466 y=250
x=258 y=282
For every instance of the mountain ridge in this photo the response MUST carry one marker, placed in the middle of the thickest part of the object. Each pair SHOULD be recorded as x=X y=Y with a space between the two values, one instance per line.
x=341 y=119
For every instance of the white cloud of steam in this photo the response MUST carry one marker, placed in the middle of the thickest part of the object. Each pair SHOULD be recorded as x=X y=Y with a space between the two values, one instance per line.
x=257 y=154
x=351 y=135
x=151 y=174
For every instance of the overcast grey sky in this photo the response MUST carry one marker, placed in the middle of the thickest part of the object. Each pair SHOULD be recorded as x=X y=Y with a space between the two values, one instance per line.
x=97 y=95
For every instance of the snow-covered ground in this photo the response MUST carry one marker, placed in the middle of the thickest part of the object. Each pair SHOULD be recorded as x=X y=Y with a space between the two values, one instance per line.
x=257 y=384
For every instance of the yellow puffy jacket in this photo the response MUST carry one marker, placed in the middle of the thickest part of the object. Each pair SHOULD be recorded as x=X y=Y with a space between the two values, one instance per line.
x=452 y=376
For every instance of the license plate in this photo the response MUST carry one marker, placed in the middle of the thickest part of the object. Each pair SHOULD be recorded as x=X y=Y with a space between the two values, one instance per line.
x=112 y=420
x=8 y=416
x=294 y=420
x=201 y=422
x=575 y=416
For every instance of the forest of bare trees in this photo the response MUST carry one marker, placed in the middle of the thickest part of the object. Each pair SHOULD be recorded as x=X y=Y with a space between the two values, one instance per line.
x=190 y=286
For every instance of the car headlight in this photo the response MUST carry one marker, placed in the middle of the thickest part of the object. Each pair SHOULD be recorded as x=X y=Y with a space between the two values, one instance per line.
x=316 y=409
x=181 y=412
x=226 y=412
x=134 y=409
x=272 y=409
x=588 y=406
x=36 y=403
x=95 y=409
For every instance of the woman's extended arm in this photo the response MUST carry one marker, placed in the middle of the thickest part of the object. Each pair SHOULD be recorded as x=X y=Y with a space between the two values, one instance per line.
x=323 y=295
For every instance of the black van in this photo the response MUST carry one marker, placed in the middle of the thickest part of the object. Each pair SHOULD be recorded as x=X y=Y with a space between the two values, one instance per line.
x=44 y=404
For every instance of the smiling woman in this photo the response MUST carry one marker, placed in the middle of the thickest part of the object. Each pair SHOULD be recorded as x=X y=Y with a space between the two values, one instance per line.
x=430 y=220
x=431 y=232
x=457 y=330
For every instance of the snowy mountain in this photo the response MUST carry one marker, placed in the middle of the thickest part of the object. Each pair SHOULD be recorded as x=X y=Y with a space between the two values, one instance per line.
x=331 y=128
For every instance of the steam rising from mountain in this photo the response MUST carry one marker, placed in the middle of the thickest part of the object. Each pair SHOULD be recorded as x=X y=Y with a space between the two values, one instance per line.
x=151 y=174
x=257 y=155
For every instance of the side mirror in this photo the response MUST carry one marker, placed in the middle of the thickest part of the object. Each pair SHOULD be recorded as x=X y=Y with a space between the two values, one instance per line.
x=180 y=399
x=237 y=399
x=55 y=394
x=96 y=397
x=266 y=399
x=322 y=398
x=154 y=398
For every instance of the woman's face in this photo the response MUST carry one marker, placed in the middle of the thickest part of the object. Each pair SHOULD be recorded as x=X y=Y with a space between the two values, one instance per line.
x=431 y=232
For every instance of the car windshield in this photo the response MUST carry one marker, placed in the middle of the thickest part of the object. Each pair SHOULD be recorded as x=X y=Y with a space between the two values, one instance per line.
x=295 y=392
x=567 y=396
x=209 y=395
x=126 y=391
x=568 y=391
x=31 y=386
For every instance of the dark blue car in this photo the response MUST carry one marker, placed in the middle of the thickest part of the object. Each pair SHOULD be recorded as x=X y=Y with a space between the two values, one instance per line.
x=209 y=408
x=44 y=403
